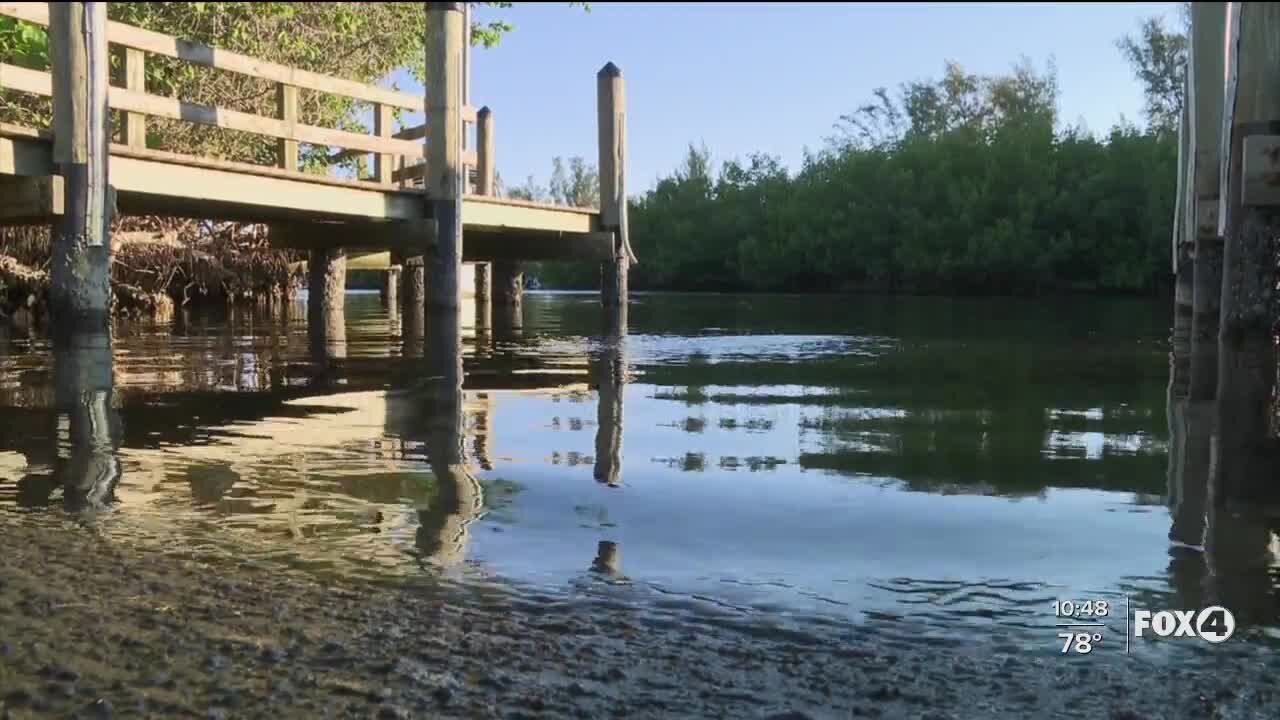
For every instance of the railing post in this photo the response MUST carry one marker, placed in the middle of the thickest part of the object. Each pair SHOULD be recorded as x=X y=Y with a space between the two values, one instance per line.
x=484 y=151
x=444 y=179
x=382 y=164
x=135 y=79
x=81 y=252
x=611 y=109
x=287 y=106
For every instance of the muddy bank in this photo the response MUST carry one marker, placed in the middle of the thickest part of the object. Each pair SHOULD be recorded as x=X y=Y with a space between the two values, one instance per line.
x=96 y=628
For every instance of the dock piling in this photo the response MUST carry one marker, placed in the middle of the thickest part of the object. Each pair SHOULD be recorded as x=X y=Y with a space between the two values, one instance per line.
x=508 y=294
x=326 y=290
x=1245 y=449
x=611 y=108
x=81 y=252
x=444 y=179
x=484 y=186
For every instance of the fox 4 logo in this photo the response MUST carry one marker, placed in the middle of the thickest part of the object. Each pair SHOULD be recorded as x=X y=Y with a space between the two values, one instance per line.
x=1213 y=624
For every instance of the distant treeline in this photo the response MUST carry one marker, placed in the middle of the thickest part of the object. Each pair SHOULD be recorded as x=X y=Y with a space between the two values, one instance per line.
x=965 y=184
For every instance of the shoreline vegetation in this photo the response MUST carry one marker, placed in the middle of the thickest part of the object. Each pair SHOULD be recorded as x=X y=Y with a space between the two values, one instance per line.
x=961 y=185
x=967 y=185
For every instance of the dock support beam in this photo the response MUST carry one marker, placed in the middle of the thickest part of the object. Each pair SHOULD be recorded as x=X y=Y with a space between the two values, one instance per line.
x=611 y=110
x=444 y=181
x=81 y=253
x=484 y=186
x=1245 y=449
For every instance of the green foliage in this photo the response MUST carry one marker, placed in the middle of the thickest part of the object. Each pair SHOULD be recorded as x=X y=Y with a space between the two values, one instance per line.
x=578 y=186
x=961 y=185
x=1158 y=57
x=358 y=41
x=26 y=44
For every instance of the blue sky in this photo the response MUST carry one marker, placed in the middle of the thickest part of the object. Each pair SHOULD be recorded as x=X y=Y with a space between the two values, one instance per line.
x=770 y=77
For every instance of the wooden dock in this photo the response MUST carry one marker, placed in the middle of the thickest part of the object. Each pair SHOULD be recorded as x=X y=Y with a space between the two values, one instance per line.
x=1224 y=419
x=396 y=206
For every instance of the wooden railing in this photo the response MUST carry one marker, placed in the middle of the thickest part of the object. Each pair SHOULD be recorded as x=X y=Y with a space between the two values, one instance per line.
x=394 y=153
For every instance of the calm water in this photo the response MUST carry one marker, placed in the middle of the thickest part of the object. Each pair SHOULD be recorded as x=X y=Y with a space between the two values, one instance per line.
x=937 y=468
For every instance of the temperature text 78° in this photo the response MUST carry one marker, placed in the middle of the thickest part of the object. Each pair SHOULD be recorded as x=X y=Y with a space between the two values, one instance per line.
x=1080 y=642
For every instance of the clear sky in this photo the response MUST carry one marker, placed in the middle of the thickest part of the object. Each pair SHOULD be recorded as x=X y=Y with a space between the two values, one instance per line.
x=770 y=77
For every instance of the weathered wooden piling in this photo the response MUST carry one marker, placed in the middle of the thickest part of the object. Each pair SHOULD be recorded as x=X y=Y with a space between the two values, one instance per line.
x=1191 y=446
x=1245 y=449
x=484 y=186
x=1204 y=101
x=444 y=179
x=413 y=298
x=326 y=295
x=81 y=252
x=508 y=295
x=391 y=287
x=1183 y=235
x=611 y=109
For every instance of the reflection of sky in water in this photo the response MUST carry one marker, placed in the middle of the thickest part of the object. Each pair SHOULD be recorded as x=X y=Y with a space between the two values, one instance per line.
x=929 y=490
x=713 y=493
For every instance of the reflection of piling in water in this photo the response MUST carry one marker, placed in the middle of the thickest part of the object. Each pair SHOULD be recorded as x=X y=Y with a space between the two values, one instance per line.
x=610 y=377
x=442 y=529
x=88 y=425
x=482 y=432
x=606 y=560
x=1245 y=453
x=1238 y=562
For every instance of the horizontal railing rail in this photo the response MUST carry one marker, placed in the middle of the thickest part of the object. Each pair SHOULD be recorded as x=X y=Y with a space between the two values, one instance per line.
x=391 y=150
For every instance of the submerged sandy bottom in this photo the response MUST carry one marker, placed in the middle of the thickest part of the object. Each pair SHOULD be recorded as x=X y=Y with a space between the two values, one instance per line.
x=93 y=627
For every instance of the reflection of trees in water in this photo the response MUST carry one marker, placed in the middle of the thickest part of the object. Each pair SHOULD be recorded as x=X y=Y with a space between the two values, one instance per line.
x=1010 y=418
